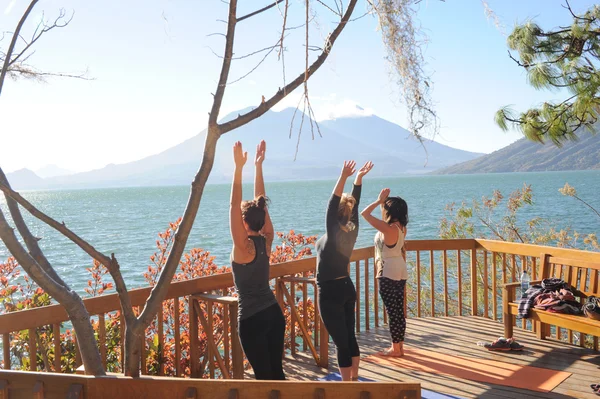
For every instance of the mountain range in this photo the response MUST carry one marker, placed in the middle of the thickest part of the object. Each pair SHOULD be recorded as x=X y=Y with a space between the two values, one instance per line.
x=391 y=147
x=527 y=156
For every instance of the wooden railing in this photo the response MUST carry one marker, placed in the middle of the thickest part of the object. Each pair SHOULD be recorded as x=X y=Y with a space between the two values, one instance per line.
x=17 y=385
x=447 y=278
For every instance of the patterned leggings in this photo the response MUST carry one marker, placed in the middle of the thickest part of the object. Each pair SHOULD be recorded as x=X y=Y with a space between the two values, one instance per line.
x=392 y=293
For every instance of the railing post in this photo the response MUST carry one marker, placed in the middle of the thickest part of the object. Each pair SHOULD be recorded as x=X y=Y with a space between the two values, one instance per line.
x=194 y=344
x=323 y=346
x=6 y=350
x=474 y=310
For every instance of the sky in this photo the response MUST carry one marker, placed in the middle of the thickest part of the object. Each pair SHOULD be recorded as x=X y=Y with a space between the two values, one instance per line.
x=152 y=71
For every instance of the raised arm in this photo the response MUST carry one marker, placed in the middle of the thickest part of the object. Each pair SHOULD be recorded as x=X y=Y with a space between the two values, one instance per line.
x=390 y=233
x=236 y=223
x=334 y=202
x=259 y=189
x=357 y=189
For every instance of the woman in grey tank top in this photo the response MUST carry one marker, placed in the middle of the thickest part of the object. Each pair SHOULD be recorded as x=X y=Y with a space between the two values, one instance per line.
x=261 y=322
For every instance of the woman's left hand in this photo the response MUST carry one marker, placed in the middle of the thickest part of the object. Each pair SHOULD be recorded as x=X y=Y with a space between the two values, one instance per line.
x=383 y=195
x=365 y=169
x=261 y=149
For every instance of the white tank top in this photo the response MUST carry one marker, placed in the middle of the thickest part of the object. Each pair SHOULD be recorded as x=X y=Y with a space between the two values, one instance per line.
x=390 y=262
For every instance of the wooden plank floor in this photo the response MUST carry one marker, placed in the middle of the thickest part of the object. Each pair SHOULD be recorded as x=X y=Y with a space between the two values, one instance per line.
x=459 y=336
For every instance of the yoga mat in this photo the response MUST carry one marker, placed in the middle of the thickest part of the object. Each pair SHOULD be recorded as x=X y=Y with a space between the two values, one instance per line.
x=425 y=394
x=475 y=369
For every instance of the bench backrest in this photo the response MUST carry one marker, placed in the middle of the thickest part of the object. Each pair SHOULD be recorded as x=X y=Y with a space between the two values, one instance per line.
x=582 y=275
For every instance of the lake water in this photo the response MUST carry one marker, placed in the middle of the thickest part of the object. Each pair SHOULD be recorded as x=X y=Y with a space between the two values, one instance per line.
x=126 y=220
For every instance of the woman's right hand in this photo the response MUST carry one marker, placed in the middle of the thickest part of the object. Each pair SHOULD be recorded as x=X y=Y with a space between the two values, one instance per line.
x=349 y=168
x=239 y=156
x=383 y=195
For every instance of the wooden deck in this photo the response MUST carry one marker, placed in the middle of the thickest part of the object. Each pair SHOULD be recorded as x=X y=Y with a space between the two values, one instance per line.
x=459 y=336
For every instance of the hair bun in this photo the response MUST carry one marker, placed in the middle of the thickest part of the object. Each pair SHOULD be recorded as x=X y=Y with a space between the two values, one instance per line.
x=261 y=201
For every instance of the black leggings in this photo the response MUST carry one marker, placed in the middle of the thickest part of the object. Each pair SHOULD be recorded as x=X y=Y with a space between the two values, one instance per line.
x=337 y=301
x=262 y=336
x=392 y=293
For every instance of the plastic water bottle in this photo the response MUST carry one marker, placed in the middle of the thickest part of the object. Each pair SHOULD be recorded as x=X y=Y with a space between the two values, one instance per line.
x=525 y=279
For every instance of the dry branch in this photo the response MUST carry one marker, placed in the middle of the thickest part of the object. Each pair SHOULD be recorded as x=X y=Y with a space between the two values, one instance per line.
x=281 y=93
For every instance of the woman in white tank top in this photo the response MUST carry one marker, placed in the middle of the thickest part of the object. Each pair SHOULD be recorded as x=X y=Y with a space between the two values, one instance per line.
x=390 y=261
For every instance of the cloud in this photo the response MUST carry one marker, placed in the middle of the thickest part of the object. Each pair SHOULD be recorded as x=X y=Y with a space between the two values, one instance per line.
x=344 y=109
x=327 y=107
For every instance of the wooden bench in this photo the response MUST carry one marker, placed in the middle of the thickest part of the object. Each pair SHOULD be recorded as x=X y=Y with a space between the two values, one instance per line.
x=583 y=276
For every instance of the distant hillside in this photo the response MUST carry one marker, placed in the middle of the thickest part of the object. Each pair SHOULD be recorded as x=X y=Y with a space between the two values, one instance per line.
x=362 y=138
x=25 y=179
x=527 y=156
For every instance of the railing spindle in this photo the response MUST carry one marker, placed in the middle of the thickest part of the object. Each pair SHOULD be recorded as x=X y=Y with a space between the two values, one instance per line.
x=504 y=281
x=486 y=311
x=102 y=338
x=226 y=337
x=474 y=310
x=418 y=284
x=514 y=268
x=6 y=350
x=57 y=348
x=177 y=336
x=494 y=286
x=210 y=336
x=194 y=344
x=161 y=340
x=304 y=310
x=459 y=280
x=445 y=269
x=293 y=319
x=32 y=350
x=432 y=280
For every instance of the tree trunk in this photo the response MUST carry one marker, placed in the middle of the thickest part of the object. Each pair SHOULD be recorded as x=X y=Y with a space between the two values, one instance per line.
x=133 y=338
x=86 y=339
x=133 y=350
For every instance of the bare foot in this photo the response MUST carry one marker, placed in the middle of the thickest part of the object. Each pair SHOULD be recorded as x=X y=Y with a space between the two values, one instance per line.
x=392 y=353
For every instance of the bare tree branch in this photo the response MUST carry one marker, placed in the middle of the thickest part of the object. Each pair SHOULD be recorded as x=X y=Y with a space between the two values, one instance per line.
x=109 y=262
x=30 y=240
x=259 y=11
x=281 y=93
x=220 y=92
x=271 y=49
x=338 y=12
x=63 y=294
x=13 y=42
x=46 y=28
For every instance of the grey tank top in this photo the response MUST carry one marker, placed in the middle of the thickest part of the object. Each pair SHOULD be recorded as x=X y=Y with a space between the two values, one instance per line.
x=252 y=281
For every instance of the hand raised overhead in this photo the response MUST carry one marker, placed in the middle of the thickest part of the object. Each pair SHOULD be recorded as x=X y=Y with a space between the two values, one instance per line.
x=261 y=149
x=349 y=168
x=365 y=169
x=239 y=156
x=383 y=195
